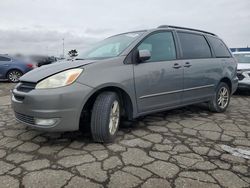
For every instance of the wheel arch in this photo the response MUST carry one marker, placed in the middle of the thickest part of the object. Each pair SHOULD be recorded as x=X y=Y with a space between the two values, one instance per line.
x=228 y=82
x=129 y=106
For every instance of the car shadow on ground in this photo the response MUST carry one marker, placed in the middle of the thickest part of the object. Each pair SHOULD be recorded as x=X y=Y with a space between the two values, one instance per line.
x=240 y=93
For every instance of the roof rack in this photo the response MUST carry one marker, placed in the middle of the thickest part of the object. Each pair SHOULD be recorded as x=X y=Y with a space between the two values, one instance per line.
x=185 y=28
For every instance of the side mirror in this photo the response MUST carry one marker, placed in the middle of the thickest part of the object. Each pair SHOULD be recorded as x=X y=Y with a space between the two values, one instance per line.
x=144 y=55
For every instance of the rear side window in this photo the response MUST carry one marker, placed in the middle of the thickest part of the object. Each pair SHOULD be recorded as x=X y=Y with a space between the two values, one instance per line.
x=4 y=58
x=161 y=46
x=194 y=46
x=220 y=50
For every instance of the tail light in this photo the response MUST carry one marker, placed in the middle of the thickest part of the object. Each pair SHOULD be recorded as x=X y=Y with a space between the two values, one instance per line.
x=32 y=66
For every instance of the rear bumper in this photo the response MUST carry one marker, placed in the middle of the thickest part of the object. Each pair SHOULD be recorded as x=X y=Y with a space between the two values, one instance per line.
x=235 y=83
x=61 y=104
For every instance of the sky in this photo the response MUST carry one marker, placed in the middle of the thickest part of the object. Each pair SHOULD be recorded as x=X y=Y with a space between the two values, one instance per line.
x=39 y=26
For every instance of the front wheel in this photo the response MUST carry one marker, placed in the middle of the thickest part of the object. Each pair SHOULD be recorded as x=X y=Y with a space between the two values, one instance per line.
x=105 y=117
x=221 y=100
x=14 y=75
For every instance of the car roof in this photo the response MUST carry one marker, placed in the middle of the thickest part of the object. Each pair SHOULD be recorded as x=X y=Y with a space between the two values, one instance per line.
x=170 y=27
x=186 y=29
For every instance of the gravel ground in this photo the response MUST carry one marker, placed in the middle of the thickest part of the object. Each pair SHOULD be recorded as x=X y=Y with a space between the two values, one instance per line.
x=177 y=148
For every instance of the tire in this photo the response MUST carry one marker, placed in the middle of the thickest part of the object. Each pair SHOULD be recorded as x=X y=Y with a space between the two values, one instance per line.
x=216 y=104
x=14 y=75
x=101 y=124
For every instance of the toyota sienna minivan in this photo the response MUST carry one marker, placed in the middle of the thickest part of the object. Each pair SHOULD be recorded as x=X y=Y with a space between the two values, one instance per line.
x=126 y=76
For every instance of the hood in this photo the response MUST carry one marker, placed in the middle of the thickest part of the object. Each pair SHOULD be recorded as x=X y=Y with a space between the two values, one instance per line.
x=243 y=66
x=47 y=70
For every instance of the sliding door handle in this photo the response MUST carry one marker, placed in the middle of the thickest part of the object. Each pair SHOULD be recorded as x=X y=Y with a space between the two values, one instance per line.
x=187 y=64
x=176 y=66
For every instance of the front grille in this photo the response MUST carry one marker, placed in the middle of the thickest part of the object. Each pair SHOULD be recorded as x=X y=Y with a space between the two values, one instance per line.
x=25 y=118
x=240 y=76
x=26 y=86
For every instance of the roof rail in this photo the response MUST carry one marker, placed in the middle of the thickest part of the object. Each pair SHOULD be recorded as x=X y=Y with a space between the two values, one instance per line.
x=185 y=28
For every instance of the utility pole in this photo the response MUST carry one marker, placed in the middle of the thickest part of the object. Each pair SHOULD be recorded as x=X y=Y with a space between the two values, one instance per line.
x=63 y=47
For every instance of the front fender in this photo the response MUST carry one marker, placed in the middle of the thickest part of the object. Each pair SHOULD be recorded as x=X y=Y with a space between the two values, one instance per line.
x=113 y=85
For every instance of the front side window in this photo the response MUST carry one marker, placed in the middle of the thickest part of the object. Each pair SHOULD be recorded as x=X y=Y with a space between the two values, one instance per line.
x=161 y=46
x=243 y=58
x=220 y=50
x=194 y=46
x=4 y=58
x=111 y=47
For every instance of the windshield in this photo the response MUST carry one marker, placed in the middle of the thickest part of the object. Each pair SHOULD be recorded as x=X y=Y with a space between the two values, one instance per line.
x=243 y=58
x=110 y=47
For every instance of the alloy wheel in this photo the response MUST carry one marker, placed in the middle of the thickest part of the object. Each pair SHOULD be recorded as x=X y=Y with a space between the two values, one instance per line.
x=114 y=117
x=223 y=97
x=14 y=76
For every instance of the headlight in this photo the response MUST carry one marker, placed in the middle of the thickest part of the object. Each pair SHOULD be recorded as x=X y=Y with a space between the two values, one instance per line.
x=60 y=79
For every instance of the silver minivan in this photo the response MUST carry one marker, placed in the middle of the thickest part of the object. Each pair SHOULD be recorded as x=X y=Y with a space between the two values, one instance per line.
x=126 y=76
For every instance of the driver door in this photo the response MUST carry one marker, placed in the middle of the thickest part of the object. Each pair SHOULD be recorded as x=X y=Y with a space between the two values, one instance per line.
x=159 y=80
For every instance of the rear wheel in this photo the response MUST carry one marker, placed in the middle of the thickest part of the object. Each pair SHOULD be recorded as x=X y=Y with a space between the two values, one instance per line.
x=221 y=100
x=14 y=75
x=105 y=117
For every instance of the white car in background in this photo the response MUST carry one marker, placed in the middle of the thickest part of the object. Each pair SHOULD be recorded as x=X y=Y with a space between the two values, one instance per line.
x=243 y=72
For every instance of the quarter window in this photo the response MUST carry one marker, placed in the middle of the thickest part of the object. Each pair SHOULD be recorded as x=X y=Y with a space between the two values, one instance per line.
x=161 y=46
x=4 y=58
x=194 y=46
x=219 y=47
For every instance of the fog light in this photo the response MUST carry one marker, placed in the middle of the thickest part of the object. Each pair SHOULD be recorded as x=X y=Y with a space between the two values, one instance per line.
x=45 y=122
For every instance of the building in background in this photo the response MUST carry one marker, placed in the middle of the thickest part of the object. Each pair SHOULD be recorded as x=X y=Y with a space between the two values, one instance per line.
x=247 y=49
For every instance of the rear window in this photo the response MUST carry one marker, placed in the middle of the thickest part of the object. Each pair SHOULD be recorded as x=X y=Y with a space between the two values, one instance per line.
x=194 y=46
x=4 y=58
x=220 y=50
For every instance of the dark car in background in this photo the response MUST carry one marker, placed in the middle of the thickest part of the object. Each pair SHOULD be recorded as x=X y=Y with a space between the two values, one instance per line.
x=43 y=60
x=12 y=68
